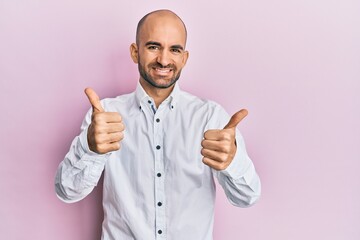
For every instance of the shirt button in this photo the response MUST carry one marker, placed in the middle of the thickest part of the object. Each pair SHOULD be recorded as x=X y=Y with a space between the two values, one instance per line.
x=159 y=204
x=159 y=174
x=149 y=101
x=158 y=147
x=157 y=120
x=159 y=232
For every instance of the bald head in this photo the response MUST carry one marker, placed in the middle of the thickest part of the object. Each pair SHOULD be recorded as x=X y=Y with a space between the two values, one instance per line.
x=156 y=17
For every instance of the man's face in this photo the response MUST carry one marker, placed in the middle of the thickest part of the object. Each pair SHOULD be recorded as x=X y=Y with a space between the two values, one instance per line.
x=160 y=52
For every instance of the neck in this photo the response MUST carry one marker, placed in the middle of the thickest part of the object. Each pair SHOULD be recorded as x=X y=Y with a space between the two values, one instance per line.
x=158 y=94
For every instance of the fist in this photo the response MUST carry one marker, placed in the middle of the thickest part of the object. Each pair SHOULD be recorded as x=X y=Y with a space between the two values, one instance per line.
x=219 y=145
x=106 y=129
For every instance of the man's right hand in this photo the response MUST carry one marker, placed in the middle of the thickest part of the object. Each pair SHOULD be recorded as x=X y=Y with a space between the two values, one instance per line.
x=106 y=129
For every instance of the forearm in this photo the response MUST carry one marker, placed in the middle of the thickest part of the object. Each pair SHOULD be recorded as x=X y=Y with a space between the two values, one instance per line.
x=79 y=172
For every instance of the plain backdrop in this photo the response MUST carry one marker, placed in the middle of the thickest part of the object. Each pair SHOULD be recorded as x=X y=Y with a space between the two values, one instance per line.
x=295 y=65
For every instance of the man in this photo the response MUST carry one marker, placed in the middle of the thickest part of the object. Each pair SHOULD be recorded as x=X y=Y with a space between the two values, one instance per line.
x=159 y=148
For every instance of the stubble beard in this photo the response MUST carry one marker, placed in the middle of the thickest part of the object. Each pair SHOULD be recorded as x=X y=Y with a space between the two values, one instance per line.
x=151 y=81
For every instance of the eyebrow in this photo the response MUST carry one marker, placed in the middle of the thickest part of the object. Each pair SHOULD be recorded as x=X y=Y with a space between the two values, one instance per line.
x=177 y=46
x=153 y=43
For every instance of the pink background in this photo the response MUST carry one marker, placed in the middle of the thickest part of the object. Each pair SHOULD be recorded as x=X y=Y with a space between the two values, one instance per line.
x=294 y=64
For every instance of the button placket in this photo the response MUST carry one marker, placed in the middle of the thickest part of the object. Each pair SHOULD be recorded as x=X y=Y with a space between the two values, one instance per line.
x=160 y=214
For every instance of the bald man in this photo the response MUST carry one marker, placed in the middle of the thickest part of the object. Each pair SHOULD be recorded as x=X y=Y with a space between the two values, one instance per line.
x=159 y=147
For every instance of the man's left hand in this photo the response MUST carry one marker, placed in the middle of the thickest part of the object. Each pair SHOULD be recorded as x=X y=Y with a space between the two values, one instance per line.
x=219 y=145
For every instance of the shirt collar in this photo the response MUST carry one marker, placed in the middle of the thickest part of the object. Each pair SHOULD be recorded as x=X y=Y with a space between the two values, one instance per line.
x=142 y=97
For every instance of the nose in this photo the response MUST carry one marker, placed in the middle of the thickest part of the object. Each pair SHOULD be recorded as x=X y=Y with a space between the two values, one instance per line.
x=164 y=58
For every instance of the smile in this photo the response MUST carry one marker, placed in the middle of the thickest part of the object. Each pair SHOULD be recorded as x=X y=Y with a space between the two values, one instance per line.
x=163 y=70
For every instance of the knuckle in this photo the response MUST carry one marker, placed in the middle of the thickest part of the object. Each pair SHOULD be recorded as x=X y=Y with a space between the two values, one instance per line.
x=225 y=135
x=98 y=139
x=97 y=129
x=203 y=151
x=121 y=126
x=221 y=148
x=216 y=167
x=117 y=146
x=229 y=137
x=206 y=133
x=116 y=115
x=96 y=117
x=101 y=149
x=222 y=166
x=227 y=148
x=223 y=158
x=121 y=136
x=203 y=143
x=222 y=134
x=97 y=148
x=116 y=137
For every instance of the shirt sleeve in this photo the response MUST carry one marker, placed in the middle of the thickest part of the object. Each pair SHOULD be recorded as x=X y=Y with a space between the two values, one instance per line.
x=81 y=169
x=239 y=180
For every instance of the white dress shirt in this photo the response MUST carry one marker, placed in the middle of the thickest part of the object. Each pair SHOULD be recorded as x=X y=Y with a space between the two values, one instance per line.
x=156 y=186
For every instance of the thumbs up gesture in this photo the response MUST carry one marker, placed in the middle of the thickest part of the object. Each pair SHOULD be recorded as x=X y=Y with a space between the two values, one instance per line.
x=219 y=145
x=106 y=129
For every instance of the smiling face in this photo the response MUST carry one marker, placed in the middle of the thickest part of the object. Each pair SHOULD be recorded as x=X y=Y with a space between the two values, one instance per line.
x=160 y=49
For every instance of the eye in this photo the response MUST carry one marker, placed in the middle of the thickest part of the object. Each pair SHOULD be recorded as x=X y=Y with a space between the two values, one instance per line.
x=153 y=47
x=176 y=50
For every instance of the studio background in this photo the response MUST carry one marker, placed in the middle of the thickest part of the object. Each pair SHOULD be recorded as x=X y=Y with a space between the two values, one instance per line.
x=295 y=65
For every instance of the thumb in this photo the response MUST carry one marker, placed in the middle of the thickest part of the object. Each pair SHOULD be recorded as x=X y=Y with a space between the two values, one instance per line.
x=236 y=118
x=94 y=100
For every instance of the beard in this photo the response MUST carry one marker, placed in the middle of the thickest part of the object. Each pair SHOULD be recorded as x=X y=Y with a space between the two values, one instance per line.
x=146 y=76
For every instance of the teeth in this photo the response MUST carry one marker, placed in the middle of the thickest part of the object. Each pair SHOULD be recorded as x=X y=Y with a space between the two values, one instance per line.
x=163 y=70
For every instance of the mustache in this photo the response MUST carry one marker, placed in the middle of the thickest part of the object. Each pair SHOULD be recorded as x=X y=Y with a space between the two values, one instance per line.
x=158 y=65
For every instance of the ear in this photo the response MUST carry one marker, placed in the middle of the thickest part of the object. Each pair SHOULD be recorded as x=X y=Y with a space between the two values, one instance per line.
x=134 y=52
x=185 y=57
